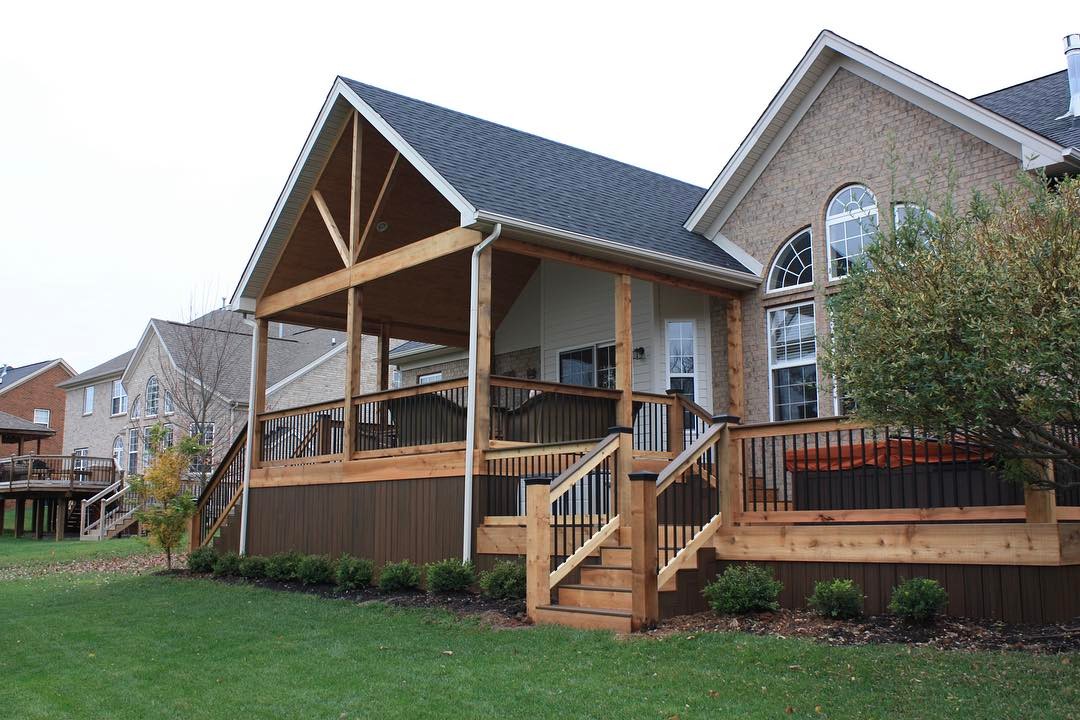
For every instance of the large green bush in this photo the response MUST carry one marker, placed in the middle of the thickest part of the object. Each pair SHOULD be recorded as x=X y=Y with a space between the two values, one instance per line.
x=838 y=598
x=354 y=573
x=504 y=581
x=252 y=567
x=449 y=576
x=398 y=576
x=315 y=570
x=227 y=564
x=282 y=567
x=743 y=589
x=201 y=560
x=918 y=599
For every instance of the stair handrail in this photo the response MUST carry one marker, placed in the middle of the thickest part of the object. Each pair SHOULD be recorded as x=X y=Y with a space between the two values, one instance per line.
x=686 y=459
x=197 y=538
x=84 y=528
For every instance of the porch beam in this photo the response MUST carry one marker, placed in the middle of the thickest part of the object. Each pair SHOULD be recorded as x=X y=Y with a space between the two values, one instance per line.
x=377 y=208
x=353 y=360
x=331 y=226
x=354 y=188
x=624 y=383
x=431 y=248
x=571 y=258
x=373 y=325
x=736 y=382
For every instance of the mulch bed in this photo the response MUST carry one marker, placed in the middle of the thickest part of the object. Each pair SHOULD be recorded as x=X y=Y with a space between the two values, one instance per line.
x=945 y=634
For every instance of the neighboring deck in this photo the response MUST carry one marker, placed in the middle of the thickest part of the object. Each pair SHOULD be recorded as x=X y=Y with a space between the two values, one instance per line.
x=22 y=474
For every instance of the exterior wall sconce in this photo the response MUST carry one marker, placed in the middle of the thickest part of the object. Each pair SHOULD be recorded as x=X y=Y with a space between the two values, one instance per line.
x=639 y=353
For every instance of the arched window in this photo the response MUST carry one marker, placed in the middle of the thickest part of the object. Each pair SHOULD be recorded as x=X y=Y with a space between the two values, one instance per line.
x=850 y=224
x=118 y=452
x=794 y=264
x=136 y=404
x=152 y=396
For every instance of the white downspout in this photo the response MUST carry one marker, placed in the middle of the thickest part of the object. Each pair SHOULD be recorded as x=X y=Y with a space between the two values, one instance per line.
x=249 y=441
x=470 y=402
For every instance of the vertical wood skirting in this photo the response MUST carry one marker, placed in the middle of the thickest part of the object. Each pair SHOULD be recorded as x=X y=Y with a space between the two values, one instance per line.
x=483 y=352
x=736 y=380
x=624 y=383
x=354 y=339
x=645 y=608
x=537 y=543
x=261 y=338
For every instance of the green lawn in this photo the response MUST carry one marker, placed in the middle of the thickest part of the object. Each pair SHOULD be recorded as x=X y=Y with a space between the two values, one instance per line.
x=124 y=646
x=28 y=551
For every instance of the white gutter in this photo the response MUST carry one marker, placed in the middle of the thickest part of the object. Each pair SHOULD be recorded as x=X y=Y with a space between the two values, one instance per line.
x=470 y=407
x=249 y=441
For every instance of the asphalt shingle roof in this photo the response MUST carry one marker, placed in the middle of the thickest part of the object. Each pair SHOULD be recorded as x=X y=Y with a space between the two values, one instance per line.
x=113 y=366
x=509 y=172
x=10 y=375
x=18 y=426
x=1037 y=104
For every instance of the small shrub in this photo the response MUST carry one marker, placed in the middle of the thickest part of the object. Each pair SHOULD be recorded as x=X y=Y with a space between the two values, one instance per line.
x=397 y=576
x=201 y=560
x=315 y=570
x=504 y=581
x=743 y=589
x=838 y=598
x=450 y=576
x=282 y=567
x=227 y=564
x=354 y=573
x=252 y=567
x=918 y=599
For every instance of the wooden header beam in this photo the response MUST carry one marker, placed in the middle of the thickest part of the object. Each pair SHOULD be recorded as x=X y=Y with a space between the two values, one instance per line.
x=411 y=255
x=570 y=258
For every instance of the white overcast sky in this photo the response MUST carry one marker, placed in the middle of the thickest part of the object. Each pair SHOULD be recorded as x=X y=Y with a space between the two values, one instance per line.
x=142 y=146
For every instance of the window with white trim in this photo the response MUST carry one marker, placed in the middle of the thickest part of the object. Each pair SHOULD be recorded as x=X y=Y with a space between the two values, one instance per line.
x=850 y=225
x=135 y=407
x=680 y=356
x=118 y=452
x=119 y=398
x=168 y=437
x=591 y=366
x=88 y=400
x=794 y=264
x=204 y=435
x=146 y=447
x=428 y=378
x=80 y=462
x=792 y=339
x=922 y=218
x=42 y=416
x=395 y=379
x=152 y=390
x=133 y=451
x=168 y=406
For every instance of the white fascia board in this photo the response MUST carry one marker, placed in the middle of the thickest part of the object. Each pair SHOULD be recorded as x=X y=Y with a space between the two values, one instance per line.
x=735 y=251
x=306 y=369
x=660 y=262
x=242 y=300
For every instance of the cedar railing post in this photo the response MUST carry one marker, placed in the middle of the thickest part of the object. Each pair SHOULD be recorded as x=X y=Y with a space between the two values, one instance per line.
x=736 y=386
x=194 y=527
x=261 y=339
x=1040 y=504
x=624 y=383
x=645 y=608
x=537 y=543
x=676 y=423
x=729 y=466
x=355 y=340
x=20 y=516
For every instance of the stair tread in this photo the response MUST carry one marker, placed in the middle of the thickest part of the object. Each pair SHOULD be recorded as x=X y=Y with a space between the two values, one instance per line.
x=597 y=588
x=611 y=612
x=608 y=567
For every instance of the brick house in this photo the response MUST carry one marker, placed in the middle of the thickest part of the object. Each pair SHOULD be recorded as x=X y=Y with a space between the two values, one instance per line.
x=30 y=392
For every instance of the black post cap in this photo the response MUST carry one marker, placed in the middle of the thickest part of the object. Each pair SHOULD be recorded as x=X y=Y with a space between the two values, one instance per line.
x=643 y=475
x=730 y=419
x=538 y=479
x=619 y=429
x=673 y=391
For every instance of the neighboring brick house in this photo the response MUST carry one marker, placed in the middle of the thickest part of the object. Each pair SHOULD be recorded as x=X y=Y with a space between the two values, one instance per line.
x=30 y=392
x=112 y=406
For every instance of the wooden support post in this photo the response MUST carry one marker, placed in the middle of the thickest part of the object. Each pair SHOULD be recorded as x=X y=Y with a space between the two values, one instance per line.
x=20 y=516
x=60 y=518
x=39 y=518
x=324 y=436
x=195 y=531
x=262 y=338
x=645 y=608
x=3 y=513
x=353 y=357
x=676 y=424
x=624 y=383
x=728 y=465
x=736 y=382
x=1040 y=505
x=483 y=353
x=537 y=543
x=384 y=357
x=19 y=451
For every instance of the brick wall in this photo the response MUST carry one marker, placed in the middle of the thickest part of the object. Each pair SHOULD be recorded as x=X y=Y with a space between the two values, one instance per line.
x=38 y=392
x=855 y=132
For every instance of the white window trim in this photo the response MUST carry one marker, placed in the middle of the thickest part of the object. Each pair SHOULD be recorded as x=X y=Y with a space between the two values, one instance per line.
x=133 y=449
x=118 y=457
x=48 y=417
x=843 y=218
x=88 y=394
x=667 y=357
x=789 y=363
x=422 y=378
x=168 y=403
x=574 y=348
x=123 y=397
x=783 y=245
x=157 y=399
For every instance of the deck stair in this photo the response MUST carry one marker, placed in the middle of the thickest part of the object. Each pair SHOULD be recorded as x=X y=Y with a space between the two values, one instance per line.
x=115 y=509
x=600 y=598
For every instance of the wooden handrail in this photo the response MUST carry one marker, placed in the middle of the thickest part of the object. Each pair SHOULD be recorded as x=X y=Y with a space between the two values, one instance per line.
x=553 y=387
x=331 y=405
x=411 y=391
x=795 y=427
x=215 y=479
x=695 y=409
x=532 y=450
x=569 y=477
x=221 y=518
x=658 y=398
x=688 y=457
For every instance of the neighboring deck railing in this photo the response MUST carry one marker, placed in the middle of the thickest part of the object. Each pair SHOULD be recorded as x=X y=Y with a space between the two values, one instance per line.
x=49 y=472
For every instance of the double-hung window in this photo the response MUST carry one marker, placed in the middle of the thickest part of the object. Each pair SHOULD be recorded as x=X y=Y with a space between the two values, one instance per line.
x=152 y=390
x=42 y=416
x=119 y=398
x=80 y=462
x=680 y=355
x=146 y=447
x=792 y=338
x=118 y=452
x=204 y=434
x=591 y=366
x=428 y=378
x=133 y=451
x=88 y=400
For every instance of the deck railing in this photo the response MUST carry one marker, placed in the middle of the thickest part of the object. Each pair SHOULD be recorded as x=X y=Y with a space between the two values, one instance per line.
x=303 y=435
x=531 y=411
x=221 y=493
x=74 y=472
x=422 y=415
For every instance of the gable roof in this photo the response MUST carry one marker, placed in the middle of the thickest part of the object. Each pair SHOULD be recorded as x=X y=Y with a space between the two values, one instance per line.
x=113 y=366
x=828 y=53
x=1039 y=105
x=492 y=173
x=11 y=377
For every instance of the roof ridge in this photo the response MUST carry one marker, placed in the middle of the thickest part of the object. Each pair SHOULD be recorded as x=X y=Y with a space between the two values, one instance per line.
x=575 y=148
x=1016 y=85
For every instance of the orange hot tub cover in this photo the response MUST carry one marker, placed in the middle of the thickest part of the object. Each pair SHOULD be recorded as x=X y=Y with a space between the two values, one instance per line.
x=891 y=453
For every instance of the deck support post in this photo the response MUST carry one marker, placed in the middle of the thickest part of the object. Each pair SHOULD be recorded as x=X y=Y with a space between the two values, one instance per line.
x=728 y=466
x=384 y=357
x=39 y=517
x=60 y=518
x=353 y=358
x=3 y=513
x=537 y=543
x=624 y=383
x=1040 y=504
x=483 y=354
x=736 y=383
x=645 y=607
x=20 y=516
x=260 y=339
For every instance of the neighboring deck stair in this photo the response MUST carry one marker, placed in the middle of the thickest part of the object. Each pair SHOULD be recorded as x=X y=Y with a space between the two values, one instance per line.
x=599 y=598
